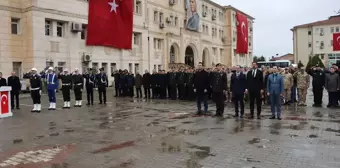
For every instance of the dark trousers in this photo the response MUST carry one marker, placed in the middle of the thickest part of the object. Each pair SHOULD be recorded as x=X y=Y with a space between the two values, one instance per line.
x=202 y=98
x=66 y=93
x=139 y=92
x=173 y=92
x=102 y=94
x=255 y=96
x=147 y=92
x=130 y=91
x=117 y=91
x=181 y=91
x=78 y=93
x=190 y=95
x=332 y=98
x=51 y=95
x=89 y=94
x=219 y=100
x=317 y=92
x=35 y=94
x=162 y=92
x=16 y=94
x=238 y=101
x=154 y=92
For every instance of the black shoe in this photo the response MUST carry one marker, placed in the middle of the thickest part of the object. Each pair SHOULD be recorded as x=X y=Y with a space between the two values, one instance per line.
x=279 y=118
x=235 y=116
x=199 y=113
x=241 y=116
x=251 y=117
x=18 y=108
x=87 y=104
x=259 y=117
x=272 y=118
x=12 y=108
x=100 y=102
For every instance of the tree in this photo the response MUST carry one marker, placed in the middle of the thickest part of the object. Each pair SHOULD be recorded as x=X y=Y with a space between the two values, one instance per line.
x=255 y=59
x=315 y=61
x=261 y=59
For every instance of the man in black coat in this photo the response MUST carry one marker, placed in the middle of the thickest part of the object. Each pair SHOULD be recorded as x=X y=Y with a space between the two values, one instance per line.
x=201 y=85
x=238 y=84
x=255 y=87
x=147 y=84
x=14 y=82
x=219 y=85
x=116 y=76
x=318 y=84
x=2 y=80
x=102 y=83
x=172 y=87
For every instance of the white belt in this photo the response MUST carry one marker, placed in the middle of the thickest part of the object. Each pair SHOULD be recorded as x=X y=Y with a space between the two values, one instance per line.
x=66 y=83
x=35 y=88
x=50 y=83
x=79 y=84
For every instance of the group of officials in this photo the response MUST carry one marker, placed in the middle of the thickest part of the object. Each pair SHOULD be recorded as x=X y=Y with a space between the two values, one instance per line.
x=271 y=85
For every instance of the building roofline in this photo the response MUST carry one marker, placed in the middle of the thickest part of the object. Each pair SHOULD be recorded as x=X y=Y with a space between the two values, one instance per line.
x=214 y=3
x=233 y=8
x=330 y=21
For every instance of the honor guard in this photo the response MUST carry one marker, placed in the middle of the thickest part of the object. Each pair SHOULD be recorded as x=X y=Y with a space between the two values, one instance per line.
x=66 y=80
x=52 y=86
x=35 y=81
x=77 y=86
x=102 y=83
x=90 y=81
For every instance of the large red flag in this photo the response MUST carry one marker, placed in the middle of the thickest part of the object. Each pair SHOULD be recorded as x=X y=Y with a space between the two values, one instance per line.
x=242 y=33
x=110 y=23
x=336 y=42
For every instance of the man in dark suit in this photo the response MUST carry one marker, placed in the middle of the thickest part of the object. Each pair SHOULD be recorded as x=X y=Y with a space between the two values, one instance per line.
x=238 y=84
x=14 y=82
x=102 y=83
x=219 y=85
x=201 y=85
x=255 y=88
x=2 y=80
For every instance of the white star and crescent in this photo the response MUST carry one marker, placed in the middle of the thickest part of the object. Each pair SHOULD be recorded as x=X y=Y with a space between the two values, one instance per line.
x=113 y=6
x=243 y=28
x=338 y=39
x=4 y=96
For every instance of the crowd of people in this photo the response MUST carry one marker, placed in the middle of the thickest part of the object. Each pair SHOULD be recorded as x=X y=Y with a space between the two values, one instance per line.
x=266 y=85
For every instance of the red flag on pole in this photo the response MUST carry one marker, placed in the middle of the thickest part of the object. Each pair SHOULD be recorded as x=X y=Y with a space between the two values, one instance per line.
x=336 y=42
x=242 y=33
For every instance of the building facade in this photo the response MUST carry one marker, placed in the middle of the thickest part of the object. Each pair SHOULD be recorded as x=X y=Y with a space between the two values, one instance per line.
x=316 y=39
x=41 y=33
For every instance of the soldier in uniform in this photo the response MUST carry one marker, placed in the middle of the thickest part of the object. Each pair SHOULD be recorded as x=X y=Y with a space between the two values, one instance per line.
x=130 y=84
x=219 y=87
x=302 y=80
x=172 y=88
x=288 y=83
x=162 y=84
x=138 y=85
x=180 y=75
x=66 y=80
x=90 y=79
x=189 y=84
x=116 y=76
x=147 y=84
x=318 y=84
x=154 y=81
x=52 y=86
x=36 y=83
x=78 y=84
x=102 y=83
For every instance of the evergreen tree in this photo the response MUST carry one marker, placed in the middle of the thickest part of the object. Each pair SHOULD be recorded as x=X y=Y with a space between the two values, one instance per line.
x=315 y=61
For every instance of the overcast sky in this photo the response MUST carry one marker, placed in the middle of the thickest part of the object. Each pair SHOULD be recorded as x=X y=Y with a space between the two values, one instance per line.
x=275 y=18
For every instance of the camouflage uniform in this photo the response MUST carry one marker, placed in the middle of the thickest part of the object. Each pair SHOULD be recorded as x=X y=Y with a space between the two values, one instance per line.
x=288 y=83
x=302 y=86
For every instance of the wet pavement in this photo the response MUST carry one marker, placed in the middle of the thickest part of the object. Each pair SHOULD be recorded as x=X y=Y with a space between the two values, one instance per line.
x=134 y=133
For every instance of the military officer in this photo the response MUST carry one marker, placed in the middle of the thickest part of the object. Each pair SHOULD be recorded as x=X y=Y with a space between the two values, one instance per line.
x=66 y=80
x=172 y=88
x=288 y=83
x=318 y=84
x=77 y=86
x=89 y=84
x=219 y=87
x=102 y=84
x=302 y=85
x=180 y=78
x=35 y=83
x=52 y=86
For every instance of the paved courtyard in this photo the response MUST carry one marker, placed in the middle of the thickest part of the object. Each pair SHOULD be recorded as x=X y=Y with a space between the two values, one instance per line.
x=134 y=133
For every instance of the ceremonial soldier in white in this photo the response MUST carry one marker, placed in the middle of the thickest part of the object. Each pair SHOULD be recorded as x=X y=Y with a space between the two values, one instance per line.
x=66 y=80
x=35 y=81
x=78 y=82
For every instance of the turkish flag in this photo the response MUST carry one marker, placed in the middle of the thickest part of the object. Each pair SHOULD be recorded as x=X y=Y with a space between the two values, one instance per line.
x=242 y=33
x=4 y=103
x=110 y=23
x=336 y=42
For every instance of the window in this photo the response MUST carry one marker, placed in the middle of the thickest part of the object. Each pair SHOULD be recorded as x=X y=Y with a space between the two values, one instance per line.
x=176 y=21
x=138 y=7
x=170 y=22
x=136 y=68
x=130 y=67
x=157 y=44
x=337 y=29
x=155 y=16
x=48 y=28
x=15 y=25
x=84 y=32
x=317 y=30
x=154 y=67
x=161 y=17
x=321 y=43
x=104 y=65
x=95 y=65
x=60 y=29
x=17 y=68
x=137 y=38
x=322 y=56
x=207 y=28
x=309 y=45
x=309 y=32
x=214 y=50
x=159 y=67
x=113 y=67
x=61 y=66
x=332 y=29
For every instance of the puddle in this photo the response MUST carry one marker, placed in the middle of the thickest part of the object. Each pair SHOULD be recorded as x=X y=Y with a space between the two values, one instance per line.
x=313 y=127
x=274 y=132
x=151 y=115
x=318 y=114
x=217 y=128
x=187 y=122
x=254 y=141
x=154 y=123
x=250 y=160
x=54 y=134
x=197 y=153
x=332 y=130
x=192 y=132
x=52 y=124
x=178 y=115
x=52 y=128
x=69 y=130
x=171 y=144
x=63 y=165
x=312 y=136
x=39 y=137
x=292 y=135
x=17 y=141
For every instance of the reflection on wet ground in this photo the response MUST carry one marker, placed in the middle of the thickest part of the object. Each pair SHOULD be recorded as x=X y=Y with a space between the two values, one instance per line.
x=131 y=133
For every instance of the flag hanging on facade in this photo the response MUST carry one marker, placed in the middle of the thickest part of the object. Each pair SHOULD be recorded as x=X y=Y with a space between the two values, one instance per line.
x=336 y=42
x=242 y=34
